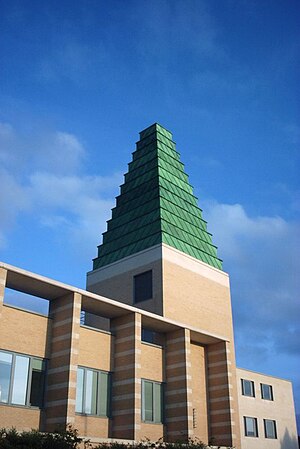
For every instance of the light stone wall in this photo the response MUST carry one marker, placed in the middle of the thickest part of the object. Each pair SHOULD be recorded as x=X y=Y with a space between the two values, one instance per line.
x=152 y=362
x=200 y=295
x=281 y=410
x=199 y=392
x=24 y=332
x=21 y=418
x=95 y=349
x=197 y=295
x=198 y=300
x=119 y=284
x=92 y=426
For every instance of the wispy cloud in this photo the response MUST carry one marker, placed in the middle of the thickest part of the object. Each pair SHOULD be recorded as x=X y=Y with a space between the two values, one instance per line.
x=261 y=255
x=44 y=176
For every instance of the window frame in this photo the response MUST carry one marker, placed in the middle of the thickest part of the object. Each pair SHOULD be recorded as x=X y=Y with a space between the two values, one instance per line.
x=151 y=337
x=274 y=429
x=255 y=427
x=83 y=398
x=27 y=403
x=154 y=420
x=135 y=300
x=271 y=398
x=251 y=382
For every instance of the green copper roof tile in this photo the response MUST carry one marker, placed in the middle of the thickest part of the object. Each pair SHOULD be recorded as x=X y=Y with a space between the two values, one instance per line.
x=126 y=228
x=138 y=192
x=133 y=213
x=124 y=207
x=136 y=182
x=153 y=145
x=156 y=205
x=154 y=138
x=157 y=154
x=153 y=128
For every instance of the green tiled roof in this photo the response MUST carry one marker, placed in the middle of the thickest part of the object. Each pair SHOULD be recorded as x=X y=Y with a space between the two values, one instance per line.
x=156 y=205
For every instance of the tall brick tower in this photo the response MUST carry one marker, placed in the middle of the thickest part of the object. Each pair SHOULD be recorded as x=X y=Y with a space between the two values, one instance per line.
x=157 y=255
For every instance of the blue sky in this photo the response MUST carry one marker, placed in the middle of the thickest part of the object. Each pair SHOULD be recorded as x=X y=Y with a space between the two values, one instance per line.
x=80 y=79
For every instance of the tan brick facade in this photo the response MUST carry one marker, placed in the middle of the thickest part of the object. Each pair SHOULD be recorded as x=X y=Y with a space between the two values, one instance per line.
x=193 y=363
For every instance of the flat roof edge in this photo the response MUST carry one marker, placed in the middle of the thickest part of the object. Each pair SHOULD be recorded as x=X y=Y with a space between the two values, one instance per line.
x=263 y=374
x=86 y=294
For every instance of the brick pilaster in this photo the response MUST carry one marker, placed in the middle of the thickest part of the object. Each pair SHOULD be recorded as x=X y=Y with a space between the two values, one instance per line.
x=223 y=401
x=126 y=386
x=62 y=367
x=178 y=394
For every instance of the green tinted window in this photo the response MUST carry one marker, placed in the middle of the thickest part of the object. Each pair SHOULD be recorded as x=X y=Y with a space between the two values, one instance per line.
x=103 y=394
x=93 y=392
x=37 y=382
x=151 y=401
x=5 y=375
x=21 y=379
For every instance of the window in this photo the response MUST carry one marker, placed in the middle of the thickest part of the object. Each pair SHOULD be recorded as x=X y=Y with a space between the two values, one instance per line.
x=152 y=398
x=143 y=286
x=250 y=427
x=93 y=392
x=21 y=379
x=248 y=388
x=266 y=392
x=270 y=428
x=153 y=337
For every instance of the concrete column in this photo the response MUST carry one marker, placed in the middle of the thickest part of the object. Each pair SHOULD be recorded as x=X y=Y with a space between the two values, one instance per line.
x=126 y=386
x=222 y=392
x=178 y=395
x=62 y=367
x=3 y=274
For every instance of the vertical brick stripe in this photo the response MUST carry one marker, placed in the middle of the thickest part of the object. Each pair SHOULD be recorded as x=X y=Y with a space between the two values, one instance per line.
x=126 y=386
x=178 y=397
x=222 y=394
x=65 y=314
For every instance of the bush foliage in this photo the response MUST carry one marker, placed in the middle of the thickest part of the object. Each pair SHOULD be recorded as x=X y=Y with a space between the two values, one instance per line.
x=62 y=439
x=68 y=439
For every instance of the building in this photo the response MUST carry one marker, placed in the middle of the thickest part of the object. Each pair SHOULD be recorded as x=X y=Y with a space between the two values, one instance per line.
x=148 y=349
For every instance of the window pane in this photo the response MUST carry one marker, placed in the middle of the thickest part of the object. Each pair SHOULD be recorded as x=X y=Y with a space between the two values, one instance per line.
x=147 y=335
x=90 y=392
x=103 y=394
x=143 y=286
x=250 y=427
x=20 y=380
x=148 y=401
x=157 y=403
x=266 y=392
x=37 y=382
x=79 y=390
x=270 y=428
x=248 y=387
x=5 y=373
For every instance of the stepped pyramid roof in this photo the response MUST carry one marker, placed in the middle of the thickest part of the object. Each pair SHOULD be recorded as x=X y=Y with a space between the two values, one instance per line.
x=156 y=205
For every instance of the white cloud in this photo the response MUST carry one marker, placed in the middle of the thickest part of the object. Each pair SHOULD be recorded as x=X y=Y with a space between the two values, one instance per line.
x=44 y=175
x=13 y=200
x=261 y=254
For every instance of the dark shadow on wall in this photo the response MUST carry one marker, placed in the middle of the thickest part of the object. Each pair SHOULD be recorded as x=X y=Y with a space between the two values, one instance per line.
x=288 y=441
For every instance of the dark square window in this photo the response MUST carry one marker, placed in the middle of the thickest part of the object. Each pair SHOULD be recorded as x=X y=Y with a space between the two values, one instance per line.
x=248 y=388
x=143 y=286
x=250 y=425
x=150 y=336
x=266 y=392
x=270 y=428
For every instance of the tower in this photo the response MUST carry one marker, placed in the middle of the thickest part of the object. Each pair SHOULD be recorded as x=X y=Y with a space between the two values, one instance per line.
x=157 y=255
